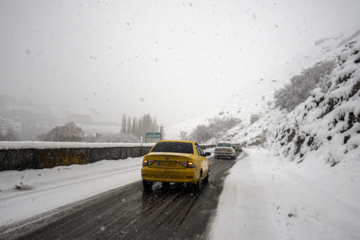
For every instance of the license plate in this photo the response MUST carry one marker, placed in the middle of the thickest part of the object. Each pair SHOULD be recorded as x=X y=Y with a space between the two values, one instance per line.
x=167 y=163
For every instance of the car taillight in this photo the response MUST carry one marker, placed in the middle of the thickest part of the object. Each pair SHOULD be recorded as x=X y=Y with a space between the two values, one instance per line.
x=191 y=165
x=148 y=162
x=187 y=164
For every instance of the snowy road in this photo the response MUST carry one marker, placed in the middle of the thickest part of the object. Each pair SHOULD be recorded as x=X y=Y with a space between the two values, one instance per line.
x=263 y=197
x=129 y=212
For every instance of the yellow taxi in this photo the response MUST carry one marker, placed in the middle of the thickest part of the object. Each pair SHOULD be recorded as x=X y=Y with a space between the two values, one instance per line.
x=175 y=161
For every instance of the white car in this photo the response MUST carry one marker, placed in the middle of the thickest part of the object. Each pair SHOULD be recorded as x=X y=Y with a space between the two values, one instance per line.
x=224 y=150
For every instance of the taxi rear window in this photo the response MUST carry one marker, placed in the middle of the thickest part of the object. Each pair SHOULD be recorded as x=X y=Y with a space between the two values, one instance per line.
x=175 y=147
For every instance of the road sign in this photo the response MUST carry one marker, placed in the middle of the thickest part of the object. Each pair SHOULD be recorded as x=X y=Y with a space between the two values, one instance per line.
x=153 y=135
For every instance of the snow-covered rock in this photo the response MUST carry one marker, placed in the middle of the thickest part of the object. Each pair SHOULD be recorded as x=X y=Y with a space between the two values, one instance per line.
x=327 y=122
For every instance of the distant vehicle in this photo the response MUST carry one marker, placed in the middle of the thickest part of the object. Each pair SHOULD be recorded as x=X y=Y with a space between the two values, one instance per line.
x=175 y=161
x=224 y=150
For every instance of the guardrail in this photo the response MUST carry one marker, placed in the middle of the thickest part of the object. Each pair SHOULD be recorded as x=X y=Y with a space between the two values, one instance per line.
x=38 y=155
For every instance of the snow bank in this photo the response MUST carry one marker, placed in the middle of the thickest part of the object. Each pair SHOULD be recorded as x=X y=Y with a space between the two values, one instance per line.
x=27 y=193
x=265 y=197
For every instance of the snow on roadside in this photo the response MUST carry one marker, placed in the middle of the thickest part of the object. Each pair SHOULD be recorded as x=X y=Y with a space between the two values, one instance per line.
x=24 y=194
x=265 y=197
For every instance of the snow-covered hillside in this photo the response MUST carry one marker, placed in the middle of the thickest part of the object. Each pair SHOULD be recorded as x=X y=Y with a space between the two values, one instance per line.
x=325 y=126
x=258 y=99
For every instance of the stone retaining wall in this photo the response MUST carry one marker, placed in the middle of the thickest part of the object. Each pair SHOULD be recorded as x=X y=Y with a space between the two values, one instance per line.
x=21 y=159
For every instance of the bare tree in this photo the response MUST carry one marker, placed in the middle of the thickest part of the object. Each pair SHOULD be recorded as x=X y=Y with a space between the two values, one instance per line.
x=67 y=133
x=134 y=126
x=123 y=124
x=301 y=85
x=183 y=135
x=128 y=127
x=9 y=135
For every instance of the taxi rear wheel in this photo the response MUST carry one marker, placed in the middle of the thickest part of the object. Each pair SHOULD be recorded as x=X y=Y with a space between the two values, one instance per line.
x=165 y=185
x=147 y=185
x=197 y=186
x=206 y=179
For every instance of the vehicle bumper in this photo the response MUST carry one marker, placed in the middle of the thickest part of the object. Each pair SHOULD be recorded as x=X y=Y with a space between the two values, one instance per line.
x=170 y=175
x=224 y=155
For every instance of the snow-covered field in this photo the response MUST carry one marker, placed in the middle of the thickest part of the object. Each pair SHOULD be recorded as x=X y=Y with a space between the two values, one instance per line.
x=264 y=197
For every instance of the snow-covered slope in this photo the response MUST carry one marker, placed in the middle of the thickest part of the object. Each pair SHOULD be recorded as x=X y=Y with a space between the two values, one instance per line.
x=258 y=98
x=326 y=126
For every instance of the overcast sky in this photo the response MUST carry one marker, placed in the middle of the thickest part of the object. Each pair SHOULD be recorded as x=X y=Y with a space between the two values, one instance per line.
x=172 y=59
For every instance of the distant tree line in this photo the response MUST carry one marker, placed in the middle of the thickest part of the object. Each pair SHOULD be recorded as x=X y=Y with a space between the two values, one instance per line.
x=112 y=138
x=138 y=127
x=216 y=128
x=132 y=129
x=8 y=134
x=67 y=133
x=300 y=86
